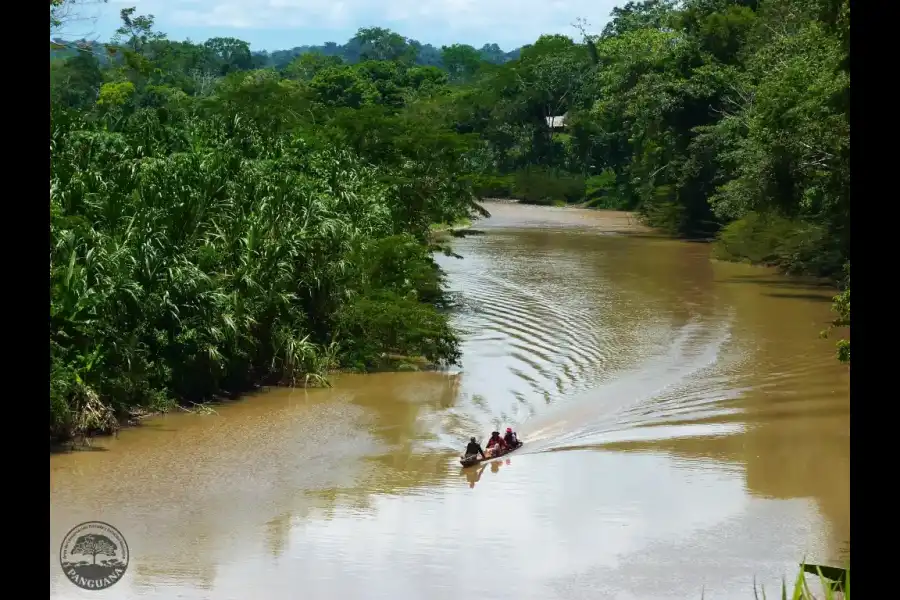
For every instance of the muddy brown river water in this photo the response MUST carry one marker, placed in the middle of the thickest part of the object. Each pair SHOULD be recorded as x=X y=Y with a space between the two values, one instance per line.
x=686 y=431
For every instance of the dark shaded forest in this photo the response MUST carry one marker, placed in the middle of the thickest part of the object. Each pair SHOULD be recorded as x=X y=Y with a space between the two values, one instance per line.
x=222 y=218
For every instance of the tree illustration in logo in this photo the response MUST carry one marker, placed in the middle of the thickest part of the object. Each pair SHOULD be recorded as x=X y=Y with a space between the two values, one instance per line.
x=93 y=545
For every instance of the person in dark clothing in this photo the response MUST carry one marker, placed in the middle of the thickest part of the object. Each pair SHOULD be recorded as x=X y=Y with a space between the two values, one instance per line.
x=474 y=449
x=511 y=438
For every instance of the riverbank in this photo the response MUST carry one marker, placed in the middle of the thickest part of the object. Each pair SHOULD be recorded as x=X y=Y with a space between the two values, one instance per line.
x=92 y=417
x=109 y=423
x=601 y=220
x=440 y=233
x=790 y=247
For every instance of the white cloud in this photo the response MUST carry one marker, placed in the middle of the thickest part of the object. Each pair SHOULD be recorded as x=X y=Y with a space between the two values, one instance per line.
x=508 y=20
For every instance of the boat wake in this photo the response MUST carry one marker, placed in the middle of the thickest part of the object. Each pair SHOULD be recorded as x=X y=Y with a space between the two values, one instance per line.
x=550 y=348
x=685 y=382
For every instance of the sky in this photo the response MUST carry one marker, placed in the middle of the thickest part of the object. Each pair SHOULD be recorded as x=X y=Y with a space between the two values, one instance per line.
x=282 y=24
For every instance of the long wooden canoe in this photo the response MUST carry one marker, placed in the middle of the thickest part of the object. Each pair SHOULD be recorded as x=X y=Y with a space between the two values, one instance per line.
x=468 y=461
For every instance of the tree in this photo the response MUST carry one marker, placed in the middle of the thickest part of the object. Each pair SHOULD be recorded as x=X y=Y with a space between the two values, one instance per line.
x=378 y=43
x=136 y=32
x=551 y=73
x=461 y=61
x=788 y=140
x=230 y=54
x=426 y=78
x=342 y=87
x=493 y=54
x=723 y=33
x=634 y=16
x=94 y=544
x=74 y=82
x=307 y=65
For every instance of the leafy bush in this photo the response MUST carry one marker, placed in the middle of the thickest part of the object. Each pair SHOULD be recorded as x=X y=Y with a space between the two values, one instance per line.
x=538 y=185
x=381 y=325
x=600 y=191
x=841 y=306
x=493 y=186
x=794 y=245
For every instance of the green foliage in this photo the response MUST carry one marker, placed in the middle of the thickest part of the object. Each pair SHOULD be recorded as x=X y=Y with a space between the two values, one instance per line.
x=255 y=227
x=461 y=61
x=539 y=185
x=115 y=94
x=835 y=583
x=55 y=18
x=379 y=44
x=306 y=66
x=841 y=306
x=384 y=325
x=698 y=114
x=75 y=82
x=600 y=191
x=395 y=296
x=792 y=154
x=649 y=14
x=494 y=186
x=794 y=245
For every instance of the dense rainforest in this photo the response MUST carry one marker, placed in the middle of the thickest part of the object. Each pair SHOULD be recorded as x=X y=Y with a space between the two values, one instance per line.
x=221 y=218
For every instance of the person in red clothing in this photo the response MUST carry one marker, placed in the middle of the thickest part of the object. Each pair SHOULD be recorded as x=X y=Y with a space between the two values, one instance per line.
x=510 y=438
x=496 y=444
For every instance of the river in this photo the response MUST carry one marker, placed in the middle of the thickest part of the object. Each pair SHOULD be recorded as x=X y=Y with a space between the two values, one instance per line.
x=686 y=432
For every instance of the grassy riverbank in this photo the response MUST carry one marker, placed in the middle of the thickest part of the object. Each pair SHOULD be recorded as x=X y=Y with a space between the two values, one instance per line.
x=457 y=225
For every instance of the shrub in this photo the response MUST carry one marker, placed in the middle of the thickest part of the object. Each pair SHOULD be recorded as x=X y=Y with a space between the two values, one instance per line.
x=793 y=245
x=539 y=185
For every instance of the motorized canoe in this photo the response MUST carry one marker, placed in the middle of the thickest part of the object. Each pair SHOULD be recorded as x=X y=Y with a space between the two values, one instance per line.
x=468 y=461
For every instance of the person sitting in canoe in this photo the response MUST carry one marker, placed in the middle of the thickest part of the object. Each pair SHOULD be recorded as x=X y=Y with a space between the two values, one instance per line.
x=474 y=449
x=511 y=438
x=496 y=444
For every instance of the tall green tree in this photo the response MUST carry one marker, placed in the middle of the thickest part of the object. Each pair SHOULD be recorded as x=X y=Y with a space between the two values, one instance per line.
x=461 y=61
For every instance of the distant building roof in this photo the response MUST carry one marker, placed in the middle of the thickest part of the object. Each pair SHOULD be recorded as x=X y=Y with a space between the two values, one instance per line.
x=556 y=122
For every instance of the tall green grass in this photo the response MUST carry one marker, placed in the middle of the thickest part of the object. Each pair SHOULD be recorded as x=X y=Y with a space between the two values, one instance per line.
x=195 y=255
x=801 y=589
x=832 y=589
